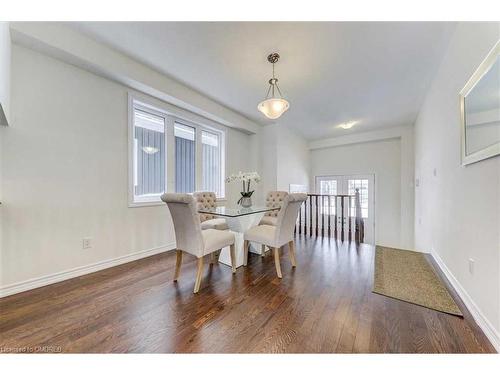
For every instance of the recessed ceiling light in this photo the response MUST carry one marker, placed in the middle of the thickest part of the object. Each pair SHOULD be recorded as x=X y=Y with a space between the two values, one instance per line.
x=347 y=125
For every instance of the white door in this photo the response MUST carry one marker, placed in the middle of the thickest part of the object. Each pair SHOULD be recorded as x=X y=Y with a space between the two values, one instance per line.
x=347 y=185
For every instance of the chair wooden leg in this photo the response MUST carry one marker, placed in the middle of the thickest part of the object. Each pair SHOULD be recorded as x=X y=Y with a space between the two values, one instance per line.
x=212 y=258
x=178 y=263
x=291 y=249
x=217 y=255
x=263 y=251
x=233 y=259
x=277 y=261
x=198 y=275
x=245 y=253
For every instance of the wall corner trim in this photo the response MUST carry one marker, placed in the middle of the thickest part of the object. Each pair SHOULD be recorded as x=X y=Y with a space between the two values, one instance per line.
x=38 y=282
x=483 y=323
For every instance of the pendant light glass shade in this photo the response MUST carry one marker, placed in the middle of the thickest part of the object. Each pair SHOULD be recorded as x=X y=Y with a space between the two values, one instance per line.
x=273 y=108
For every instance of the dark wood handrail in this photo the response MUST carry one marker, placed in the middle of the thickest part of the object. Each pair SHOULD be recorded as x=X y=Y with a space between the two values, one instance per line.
x=315 y=217
x=331 y=195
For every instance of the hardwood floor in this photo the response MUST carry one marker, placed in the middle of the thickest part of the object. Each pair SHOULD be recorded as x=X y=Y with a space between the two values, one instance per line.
x=325 y=305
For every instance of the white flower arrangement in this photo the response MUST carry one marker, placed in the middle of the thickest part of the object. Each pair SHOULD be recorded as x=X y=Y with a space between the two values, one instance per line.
x=245 y=178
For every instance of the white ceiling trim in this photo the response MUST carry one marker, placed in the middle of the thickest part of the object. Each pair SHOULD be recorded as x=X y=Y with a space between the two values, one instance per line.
x=370 y=136
x=74 y=48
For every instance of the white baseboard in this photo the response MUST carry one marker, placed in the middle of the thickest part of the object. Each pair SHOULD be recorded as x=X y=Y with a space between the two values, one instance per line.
x=38 y=282
x=483 y=323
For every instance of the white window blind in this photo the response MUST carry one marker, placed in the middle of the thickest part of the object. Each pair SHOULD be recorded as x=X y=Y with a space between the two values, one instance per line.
x=148 y=155
x=185 y=154
x=212 y=165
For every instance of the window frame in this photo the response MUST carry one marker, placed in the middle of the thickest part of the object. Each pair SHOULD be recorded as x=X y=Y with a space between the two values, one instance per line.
x=222 y=154
x=153 y=199
x=171 y=115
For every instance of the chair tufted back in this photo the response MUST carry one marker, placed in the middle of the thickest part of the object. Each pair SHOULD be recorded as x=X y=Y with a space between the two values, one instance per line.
x=275 y=199
x=205 y=199
x=287 y=217
x=186 y=222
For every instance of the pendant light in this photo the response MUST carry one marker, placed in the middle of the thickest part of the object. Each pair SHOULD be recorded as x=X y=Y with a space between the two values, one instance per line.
x=273 y=107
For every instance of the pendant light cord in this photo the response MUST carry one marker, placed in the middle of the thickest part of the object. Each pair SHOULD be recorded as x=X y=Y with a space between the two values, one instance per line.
x=273 y=82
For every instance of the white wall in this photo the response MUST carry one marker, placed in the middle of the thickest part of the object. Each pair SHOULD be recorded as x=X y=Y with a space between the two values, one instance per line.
x=293 y=164
x=242 y=151
x=380 y=157
x=369 y=164
x=4 y=72
x=65 y=172
x=5 y=57
x=457 y=209
x=268 y=159
x=283 y=159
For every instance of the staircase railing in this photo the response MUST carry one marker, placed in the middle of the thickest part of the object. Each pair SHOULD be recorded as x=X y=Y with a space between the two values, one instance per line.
x=338 y=216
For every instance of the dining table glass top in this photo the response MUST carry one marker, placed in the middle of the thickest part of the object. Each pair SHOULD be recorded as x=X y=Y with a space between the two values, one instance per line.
x=236 y=211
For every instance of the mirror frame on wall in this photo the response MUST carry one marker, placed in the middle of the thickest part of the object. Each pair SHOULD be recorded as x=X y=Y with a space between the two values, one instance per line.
x=484 y=67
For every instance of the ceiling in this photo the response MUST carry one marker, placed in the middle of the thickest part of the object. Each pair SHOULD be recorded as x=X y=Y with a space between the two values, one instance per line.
x=375 y=73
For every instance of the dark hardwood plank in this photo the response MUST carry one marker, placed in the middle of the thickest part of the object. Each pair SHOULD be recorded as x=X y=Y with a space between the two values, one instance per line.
x=325 y=305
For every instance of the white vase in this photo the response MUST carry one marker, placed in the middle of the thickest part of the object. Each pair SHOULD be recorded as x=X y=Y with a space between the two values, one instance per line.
x=246 y=202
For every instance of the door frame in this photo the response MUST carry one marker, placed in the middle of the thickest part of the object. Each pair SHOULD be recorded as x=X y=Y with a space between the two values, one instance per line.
x=375 y=181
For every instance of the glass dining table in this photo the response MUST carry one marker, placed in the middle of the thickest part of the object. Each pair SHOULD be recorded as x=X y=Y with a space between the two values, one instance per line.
x=239 y=220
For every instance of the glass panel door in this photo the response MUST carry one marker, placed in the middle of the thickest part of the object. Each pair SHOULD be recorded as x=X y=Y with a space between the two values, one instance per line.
x=327 y=185
x=347 y=185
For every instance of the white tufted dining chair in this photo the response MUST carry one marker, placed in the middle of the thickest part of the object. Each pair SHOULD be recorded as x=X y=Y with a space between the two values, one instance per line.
x=189 y=236
x=207 y=200
x=273 y=199
x=276 y=236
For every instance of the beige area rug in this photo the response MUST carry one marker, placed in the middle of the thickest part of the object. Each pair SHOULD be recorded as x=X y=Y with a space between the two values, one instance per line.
x=407 y=276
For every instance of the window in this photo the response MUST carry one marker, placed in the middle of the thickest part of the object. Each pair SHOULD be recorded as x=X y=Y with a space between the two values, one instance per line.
x=148 y=155
x=185 y=155
x=362 y=185
x=212 y=163
x=168 y=153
